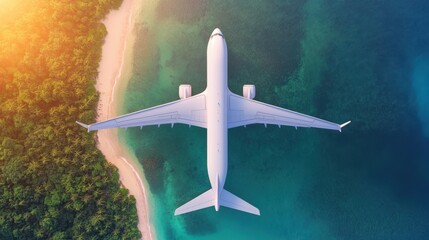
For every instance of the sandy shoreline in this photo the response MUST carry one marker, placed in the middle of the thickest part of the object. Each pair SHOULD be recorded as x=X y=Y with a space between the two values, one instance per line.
x=119 y=25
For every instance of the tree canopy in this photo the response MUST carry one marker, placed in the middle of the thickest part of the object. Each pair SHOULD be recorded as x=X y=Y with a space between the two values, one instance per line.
x=54 y=183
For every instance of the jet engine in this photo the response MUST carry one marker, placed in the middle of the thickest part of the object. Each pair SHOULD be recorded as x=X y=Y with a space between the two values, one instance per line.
x=185 y=91
x=249 y=91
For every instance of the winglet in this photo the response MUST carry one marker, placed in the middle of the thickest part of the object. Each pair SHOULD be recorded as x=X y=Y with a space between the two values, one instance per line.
x=83 y=125
x=344 y=124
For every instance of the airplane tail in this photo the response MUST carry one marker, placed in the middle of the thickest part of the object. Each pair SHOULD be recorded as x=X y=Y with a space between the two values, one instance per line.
x=209 y=199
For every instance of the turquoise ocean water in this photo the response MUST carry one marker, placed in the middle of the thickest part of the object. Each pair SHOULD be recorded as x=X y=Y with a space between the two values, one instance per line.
x=365 y=61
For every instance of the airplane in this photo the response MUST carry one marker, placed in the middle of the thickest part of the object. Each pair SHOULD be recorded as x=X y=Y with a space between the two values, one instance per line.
x=217 y=109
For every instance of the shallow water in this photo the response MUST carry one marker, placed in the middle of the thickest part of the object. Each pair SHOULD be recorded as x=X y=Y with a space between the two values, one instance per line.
x=365 y=61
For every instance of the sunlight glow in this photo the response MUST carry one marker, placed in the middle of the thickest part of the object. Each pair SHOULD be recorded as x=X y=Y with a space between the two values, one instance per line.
x=7 y=3
x=7 y=7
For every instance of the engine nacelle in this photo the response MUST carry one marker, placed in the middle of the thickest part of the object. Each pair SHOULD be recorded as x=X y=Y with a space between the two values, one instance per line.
x=249 y=91
x=185 y=91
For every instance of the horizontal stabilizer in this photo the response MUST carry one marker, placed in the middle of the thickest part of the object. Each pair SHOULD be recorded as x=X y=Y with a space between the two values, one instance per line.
x=202 y=201
x=228 y=199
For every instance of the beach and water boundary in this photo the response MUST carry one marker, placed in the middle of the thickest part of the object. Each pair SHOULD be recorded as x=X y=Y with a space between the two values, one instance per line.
x=113 y=75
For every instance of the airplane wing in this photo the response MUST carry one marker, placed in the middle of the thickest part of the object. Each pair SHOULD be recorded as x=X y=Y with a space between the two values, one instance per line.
x=243 y=111
x=191 y=111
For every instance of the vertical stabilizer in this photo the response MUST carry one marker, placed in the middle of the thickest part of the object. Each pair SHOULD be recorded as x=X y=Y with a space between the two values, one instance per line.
x=217 y=194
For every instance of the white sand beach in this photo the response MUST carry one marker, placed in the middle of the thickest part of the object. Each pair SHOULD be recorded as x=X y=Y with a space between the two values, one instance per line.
x=119 y=24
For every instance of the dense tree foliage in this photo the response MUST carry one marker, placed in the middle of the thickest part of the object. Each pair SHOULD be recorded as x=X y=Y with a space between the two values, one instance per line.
x=54 y=183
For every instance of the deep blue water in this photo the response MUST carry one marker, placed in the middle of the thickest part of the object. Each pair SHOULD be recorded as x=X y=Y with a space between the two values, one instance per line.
x=365 y=61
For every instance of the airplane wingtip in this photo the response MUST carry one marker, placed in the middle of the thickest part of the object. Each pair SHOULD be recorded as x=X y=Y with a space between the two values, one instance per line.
x=83 y=125
x=344 y=124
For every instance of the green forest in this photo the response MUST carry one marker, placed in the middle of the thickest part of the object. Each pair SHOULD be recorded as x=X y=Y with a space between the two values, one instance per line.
x=54 y=182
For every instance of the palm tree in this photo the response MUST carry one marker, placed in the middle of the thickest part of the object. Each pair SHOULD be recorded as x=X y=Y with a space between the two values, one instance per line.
x=33 y=166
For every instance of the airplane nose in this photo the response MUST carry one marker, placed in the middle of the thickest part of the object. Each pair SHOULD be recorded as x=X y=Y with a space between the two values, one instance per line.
x=216 y=32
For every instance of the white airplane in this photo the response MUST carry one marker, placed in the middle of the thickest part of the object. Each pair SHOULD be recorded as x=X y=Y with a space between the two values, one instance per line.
x=216 y=109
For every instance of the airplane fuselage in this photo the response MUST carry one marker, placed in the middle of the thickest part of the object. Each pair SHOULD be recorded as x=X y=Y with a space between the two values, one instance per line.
x=217 y=119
